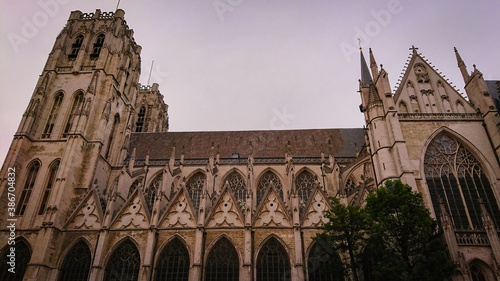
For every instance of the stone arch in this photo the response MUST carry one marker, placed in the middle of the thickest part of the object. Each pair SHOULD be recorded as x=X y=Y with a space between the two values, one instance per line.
x=110 y=272
x=260 y=189
x=30 y=177
x=319 y=260
x=239 y=189
x=480 y=271
x=403 y=108
x=54 y=112
x=195 y=184
x=304 y=183
x=469 y=179
x=283 y=273
x=23 y=257
x=151 y=189
x=460 y=107
x=170 y=266
x=75 y=263
x=229 y=268
x=48 y=185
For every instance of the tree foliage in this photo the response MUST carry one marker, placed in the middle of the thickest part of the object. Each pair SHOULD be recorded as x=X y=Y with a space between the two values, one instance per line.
x=396 y=233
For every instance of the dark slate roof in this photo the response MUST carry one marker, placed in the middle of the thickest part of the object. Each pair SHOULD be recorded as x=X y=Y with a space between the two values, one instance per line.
x=265 y=143
x=494 y=89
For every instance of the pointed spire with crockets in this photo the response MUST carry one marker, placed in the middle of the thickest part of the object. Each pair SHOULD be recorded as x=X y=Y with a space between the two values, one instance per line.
x=373 y=65
x=461 y=65
x=366 y=78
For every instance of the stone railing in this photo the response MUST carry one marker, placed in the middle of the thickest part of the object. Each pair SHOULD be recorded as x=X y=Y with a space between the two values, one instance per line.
x=439 y=116
x=472 y=237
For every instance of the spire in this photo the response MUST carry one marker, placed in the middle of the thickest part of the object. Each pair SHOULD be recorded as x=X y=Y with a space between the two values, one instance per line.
x=365 y=73
x=462 y=66
x=373 y=64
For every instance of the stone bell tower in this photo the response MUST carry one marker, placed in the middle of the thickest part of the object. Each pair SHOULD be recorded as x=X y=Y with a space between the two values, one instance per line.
x=75 y=128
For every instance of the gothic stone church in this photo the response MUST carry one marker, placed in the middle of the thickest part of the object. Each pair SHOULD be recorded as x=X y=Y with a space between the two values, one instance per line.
x=105 y=192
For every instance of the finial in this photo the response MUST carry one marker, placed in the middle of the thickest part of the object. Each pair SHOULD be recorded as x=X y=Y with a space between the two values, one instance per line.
x=359 y=44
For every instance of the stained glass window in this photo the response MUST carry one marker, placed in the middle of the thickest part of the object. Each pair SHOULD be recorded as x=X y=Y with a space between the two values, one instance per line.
x=195 y=188
x=264 y=183
x=238 y=187
x=23 y=256
x=324 y=265
x=273 y=263
x=28 y=187
x=454 y=175
x=173 y=262
x=304 y=183
x=223 y=262
x=53 y=116
x=124 y=264
x=152 y=190
x=50 y=183
x=76 y=265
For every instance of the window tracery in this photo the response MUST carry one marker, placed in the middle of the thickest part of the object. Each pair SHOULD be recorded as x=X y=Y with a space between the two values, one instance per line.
x=53 y=116
x=152 y=190
x=323 y=265
x=75 y=110
x=304 y=184
x=273 y=263
x=238 y=187
x=173 y=262
x=194 y=187
x=456 y=176
x=76 y=265
x=97 y=46
x=222 y=262
x=134 y=185
x=124 y=264
x=33 y=169
x=75 y=47
x=50 y=183
x=265 y=181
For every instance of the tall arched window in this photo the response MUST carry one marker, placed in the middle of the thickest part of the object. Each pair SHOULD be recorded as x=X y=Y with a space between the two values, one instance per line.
x=238 y=187
x=116 y=122
x=96 y=50
x=152 y=190
x=476 y=273
x=76 y=265
x=304 y=183
x=28 y=187
x=140 y=119
x=50 y=183
x=195 y=188
x=124 y=264
x=75 y=110
x=53 y=116
x=264 y=183
x=75 y=47
x=173 y=262
x=23 y=256
x=273 y=263
x=222 y=262
x=323 y=265
x=455 y=176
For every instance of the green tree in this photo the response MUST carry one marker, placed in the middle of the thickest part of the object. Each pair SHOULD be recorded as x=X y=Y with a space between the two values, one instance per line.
x=345 y=231
x=404 y=236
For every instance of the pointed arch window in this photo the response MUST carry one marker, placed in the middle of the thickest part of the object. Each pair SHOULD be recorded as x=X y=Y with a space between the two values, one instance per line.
x=152 y=190
x=75 y=110
x=33 y=169
x=134 y=186
x=53 y=116
x=264 y=183
x=195 y=188
x=23 y=256
x=140 y=119
x=173 y=262
x=124 y=264
x=76 y=265
x=96 y=50
x=238 y=187
x=403 y=108
x=304 y=184
x=455 y=175
x=273 y=263
x=48 y=188
x=476 y=273
x=324 y=265
x=75 y=47
x=222 y=262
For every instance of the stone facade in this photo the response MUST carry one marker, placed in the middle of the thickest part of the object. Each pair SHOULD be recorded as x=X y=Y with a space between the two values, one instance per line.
x=96 y=169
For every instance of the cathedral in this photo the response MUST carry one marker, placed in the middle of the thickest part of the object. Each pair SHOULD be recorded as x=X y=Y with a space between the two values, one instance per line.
x=95 y=187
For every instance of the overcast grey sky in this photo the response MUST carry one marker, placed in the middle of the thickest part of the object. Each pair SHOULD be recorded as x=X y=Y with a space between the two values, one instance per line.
x=247 y=64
